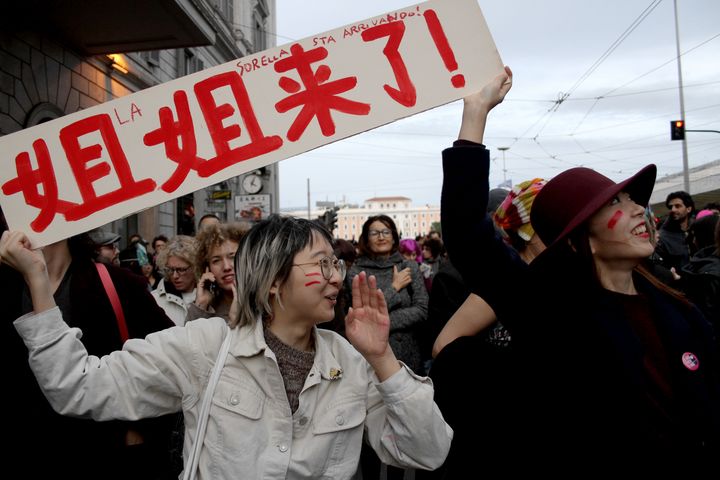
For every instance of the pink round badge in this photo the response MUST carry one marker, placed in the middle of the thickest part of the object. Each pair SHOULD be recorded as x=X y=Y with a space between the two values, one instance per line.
x=690 y=361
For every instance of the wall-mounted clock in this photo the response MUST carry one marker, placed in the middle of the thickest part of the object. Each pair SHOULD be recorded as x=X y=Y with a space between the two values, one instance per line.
x=252 y=183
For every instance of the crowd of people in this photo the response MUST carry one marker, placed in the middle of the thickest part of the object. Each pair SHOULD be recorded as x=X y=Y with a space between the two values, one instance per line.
x=585 y=327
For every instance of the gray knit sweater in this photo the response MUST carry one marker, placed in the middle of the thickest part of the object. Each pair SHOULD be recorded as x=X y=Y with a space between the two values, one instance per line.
x=408 y=307
x=294 y=366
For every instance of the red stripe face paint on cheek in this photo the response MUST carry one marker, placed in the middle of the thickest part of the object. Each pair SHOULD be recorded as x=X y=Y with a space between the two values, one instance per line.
x=314 y=282
x=614 y=219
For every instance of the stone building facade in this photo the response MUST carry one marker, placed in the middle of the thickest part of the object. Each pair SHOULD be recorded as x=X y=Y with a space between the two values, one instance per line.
x=57 y=58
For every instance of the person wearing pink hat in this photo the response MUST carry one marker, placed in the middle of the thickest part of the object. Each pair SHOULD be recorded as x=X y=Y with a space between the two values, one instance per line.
x=620 y=368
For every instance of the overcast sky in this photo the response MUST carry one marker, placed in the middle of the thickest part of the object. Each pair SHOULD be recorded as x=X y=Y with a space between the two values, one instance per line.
x=551 y=46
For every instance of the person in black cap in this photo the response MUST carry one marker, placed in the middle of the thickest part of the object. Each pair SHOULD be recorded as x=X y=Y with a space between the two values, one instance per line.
x=107 y=246
x=621 y=369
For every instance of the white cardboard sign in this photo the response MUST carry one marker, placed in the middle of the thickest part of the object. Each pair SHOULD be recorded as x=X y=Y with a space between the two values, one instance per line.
x=86 y=169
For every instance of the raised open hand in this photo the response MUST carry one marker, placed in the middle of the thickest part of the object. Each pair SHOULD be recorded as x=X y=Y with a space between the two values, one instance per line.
x=367 y=324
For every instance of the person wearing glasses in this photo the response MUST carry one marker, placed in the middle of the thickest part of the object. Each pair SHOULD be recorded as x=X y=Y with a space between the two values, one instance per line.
x=401 y=283
x=177 y=289
x=291 y=401
x=407 y=299
x=215 y=268
x=107 y=246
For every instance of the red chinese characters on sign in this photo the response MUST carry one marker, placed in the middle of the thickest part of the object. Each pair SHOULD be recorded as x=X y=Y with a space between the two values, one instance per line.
x=405 y=94
x=172 y=134
x=319 y=97
x=443 y=45
x=28 y=180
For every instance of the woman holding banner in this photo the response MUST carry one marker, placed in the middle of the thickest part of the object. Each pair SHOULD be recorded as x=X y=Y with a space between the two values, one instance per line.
x=289 y=400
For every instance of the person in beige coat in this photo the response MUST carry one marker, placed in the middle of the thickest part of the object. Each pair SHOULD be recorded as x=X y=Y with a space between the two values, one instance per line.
x=178 y=287
x=292 y=401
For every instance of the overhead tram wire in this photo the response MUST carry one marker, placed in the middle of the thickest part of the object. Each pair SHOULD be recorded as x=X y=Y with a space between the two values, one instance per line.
x=614 y=45
x=608 y=94
x=656 y=90
x=615 y=147
x=672 y=60
x=564 y=96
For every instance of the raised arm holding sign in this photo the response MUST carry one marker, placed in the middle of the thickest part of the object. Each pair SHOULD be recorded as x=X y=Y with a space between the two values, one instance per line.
x=97 y=165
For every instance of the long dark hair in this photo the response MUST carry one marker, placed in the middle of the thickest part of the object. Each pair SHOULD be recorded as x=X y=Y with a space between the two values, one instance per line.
x=81 y=246
x=579 y=248
x=363 y=246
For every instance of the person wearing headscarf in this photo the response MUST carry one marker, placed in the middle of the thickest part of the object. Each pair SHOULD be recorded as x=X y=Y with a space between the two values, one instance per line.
x=512 y=219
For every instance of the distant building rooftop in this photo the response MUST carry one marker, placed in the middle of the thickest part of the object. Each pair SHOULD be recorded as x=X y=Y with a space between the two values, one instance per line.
x=386 y=199
x=704 y=186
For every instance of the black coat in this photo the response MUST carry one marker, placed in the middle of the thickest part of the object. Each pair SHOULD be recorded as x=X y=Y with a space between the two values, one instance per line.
x=701 y=282
x=44 y=444
x=448 y=294
x=580 y=365
x=673 y=248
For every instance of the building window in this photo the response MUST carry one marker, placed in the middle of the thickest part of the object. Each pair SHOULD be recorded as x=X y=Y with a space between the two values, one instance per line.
x=260 y=15
x=225 y=8
x=192 y=62
x=42 y=113
x=151 y=57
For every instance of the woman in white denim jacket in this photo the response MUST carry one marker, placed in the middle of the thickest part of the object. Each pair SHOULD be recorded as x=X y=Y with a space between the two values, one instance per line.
x=295 y=414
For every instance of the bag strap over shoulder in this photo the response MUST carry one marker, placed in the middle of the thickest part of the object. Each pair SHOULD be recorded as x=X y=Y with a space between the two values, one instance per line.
x=191 y=462
x=114 y=300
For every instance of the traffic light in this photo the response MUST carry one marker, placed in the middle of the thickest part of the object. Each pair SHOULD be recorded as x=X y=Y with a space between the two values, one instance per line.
x=332 y=218
x=677 y=130
x=329 y=219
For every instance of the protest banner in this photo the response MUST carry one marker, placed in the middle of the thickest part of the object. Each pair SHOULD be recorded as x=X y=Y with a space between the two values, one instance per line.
x=86 y=169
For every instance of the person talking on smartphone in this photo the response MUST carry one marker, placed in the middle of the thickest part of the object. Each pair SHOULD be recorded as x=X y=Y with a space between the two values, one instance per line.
x=215 y=269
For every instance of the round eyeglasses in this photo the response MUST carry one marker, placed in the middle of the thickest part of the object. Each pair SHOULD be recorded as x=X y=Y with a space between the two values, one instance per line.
x=327 y=265
x=170 y=271
x=379 y=233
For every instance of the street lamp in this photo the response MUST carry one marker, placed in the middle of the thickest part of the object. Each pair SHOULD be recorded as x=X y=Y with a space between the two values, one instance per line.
x=686 y=174
x=503 y=150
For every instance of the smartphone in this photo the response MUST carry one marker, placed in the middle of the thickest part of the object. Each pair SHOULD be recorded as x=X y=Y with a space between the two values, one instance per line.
x=212 y=287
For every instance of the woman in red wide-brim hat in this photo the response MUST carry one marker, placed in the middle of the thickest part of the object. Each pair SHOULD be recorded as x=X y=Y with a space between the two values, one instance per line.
x=612 y=366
